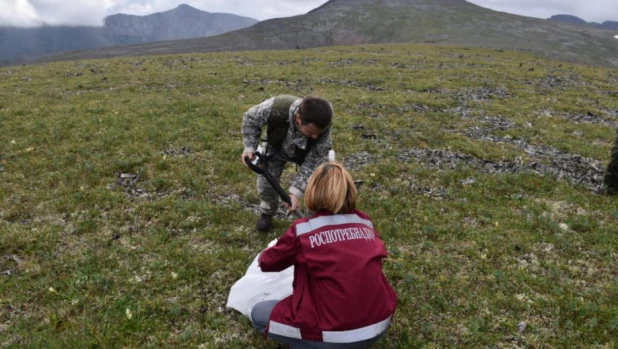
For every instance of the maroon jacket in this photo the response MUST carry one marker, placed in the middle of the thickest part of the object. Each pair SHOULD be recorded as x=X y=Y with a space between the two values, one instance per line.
x=340 y=293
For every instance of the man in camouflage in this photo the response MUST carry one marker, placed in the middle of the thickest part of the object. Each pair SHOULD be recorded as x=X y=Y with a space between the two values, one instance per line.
x=611 y=175
x=298 y=131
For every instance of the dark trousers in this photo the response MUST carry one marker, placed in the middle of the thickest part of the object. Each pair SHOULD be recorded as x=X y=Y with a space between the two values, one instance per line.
x=260 y=315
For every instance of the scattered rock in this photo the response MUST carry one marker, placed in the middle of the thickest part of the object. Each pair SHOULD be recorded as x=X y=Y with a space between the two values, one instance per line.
x=359 y=160
x=176 y=152
x=231 y=199
x=371 y=108
x=364 y=85
x=128 y=182
x=434 y=193
x=11 y=263
x=343 y=61
x=468 y=181
x=369 y=136
x=137 y=63
x=590 y=118
x=585 y=172
x=482 y=94
x=552 y=81
x=521 y=327
x=262 y=82
x=461 y=111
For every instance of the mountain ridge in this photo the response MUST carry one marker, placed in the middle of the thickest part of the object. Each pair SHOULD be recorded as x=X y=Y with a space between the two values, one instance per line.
x=610 y=25
x=19 y=45
x=349 y=22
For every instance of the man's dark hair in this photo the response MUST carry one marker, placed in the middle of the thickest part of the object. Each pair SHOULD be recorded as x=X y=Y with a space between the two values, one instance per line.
x=317 y=111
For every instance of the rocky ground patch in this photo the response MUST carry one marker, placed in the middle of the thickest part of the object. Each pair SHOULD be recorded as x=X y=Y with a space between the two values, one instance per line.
x=575 y=169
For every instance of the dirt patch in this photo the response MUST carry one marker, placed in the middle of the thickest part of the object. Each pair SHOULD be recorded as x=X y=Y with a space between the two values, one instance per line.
x=129 y=184
x=406 y=66
x=481 y=94
x=263 y=82
x=136 y=63
x=359 y=160
x=371 y=86
x=375 y=109
x=244 y=61
x=231 y=199
x=562 y=209
x=575 y=169
x=553 y=81
x=493 y=123
x=297 y=85
x=489 y=124
x=344 y=62
x=10 y=264
x=284 y=63
x=177 y=152
x=589 y=117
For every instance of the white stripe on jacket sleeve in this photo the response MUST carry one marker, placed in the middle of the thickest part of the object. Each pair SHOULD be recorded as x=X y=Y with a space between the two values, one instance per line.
x=284 y=330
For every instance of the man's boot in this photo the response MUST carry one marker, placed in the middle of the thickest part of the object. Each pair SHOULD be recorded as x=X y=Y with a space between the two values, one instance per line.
x=264 y=223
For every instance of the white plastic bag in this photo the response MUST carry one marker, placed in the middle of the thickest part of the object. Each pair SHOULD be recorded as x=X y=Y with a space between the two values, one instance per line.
x=257 y=286
x=331 y=155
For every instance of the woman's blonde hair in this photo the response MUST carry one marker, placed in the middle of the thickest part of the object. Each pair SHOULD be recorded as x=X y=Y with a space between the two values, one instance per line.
x=330 y=188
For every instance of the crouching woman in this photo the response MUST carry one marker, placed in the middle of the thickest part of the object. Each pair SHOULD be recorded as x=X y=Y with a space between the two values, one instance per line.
x=341 y=297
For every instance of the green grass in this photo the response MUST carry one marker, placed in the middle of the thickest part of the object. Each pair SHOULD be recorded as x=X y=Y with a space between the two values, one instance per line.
x=93 y=265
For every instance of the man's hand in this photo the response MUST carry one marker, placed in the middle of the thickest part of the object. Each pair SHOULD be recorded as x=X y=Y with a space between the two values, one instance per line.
x=295 y=203
x=250 y=155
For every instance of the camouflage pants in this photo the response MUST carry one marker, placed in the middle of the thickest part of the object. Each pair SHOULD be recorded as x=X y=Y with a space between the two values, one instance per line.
x=611 y=175
x=268 y=195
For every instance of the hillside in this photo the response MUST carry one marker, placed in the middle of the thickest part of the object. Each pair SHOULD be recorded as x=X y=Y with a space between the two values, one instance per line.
x=609 y=25
x=345 y=22
x=183 y=22
x=19 y=45
x=126 y=215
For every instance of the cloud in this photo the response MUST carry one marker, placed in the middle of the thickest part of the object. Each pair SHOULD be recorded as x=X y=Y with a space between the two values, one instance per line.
x=62 y=12
x=589 y=10
x=29 y=13
x=258 y=9
x=18 y=13
x=92 y=12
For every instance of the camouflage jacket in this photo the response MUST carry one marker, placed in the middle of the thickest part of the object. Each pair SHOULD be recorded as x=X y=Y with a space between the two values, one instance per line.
x=294 y=142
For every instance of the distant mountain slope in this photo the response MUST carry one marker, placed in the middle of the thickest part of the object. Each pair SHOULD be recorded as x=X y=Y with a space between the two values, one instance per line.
x=342 y=22
x=610 y=25
x=184 y=22
x=19 y=45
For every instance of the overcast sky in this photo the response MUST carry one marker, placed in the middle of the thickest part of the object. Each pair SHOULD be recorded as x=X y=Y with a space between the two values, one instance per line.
x=92 y=12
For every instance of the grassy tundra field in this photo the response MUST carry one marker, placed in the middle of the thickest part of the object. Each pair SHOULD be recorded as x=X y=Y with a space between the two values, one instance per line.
x=126 y=215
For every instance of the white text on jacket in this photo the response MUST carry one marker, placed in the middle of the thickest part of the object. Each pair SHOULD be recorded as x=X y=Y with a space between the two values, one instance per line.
x=337 y=235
